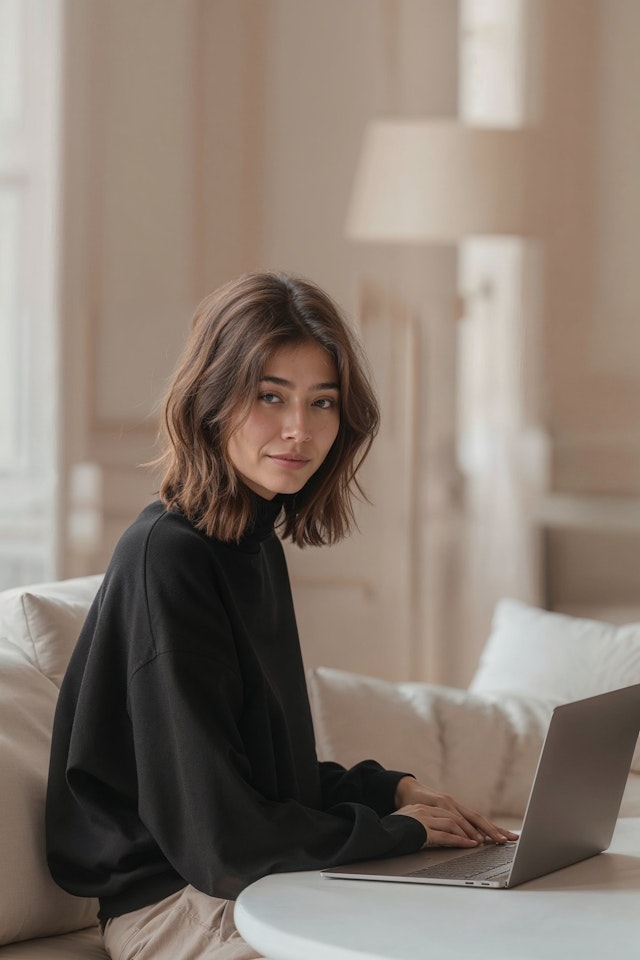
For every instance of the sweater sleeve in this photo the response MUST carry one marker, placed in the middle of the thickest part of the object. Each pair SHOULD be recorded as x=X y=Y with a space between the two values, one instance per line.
x=367 y=782
x=197 y=800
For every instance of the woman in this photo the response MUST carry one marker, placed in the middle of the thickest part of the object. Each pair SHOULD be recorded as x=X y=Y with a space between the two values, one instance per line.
x=183 y=764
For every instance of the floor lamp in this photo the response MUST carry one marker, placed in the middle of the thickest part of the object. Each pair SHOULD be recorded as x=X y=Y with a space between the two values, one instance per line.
x=439 y=181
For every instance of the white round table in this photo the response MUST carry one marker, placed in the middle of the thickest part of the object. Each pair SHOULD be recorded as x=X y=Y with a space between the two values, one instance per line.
x=587 y=911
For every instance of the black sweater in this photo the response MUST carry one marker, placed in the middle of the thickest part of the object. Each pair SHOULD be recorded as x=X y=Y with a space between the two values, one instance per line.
x=183 y=749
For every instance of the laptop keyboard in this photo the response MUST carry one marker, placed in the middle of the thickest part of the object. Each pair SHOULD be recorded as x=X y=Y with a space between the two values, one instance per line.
x=480 y=864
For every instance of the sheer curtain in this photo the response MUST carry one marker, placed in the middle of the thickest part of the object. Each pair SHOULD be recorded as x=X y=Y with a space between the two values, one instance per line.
x=30 y=33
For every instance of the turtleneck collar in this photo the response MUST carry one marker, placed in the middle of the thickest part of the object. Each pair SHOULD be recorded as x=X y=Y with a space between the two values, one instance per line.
x=266 y=514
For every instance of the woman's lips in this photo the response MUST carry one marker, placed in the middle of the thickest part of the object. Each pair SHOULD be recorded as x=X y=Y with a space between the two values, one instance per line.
x=289 y=461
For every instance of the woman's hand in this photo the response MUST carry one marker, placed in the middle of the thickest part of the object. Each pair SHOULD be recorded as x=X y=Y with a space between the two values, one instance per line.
x=447 y=822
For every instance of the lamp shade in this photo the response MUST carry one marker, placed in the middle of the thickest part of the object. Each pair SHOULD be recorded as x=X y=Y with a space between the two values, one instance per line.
x=437 y=181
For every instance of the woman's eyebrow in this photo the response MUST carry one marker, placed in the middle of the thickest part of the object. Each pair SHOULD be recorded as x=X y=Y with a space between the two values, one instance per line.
x=281 y=382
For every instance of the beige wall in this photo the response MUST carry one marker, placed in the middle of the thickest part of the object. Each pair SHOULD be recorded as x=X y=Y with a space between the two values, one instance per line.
x=593 y=345
x=592 y=322
x=207 y=137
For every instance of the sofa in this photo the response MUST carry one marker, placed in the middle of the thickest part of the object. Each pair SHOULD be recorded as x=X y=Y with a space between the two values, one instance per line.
x=479 y=744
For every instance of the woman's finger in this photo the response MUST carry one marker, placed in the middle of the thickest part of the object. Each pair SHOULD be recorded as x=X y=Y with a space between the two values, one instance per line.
x=474 y=825
x=446 y=838
x=489 y=829
x=443 y=823
x=448 y=827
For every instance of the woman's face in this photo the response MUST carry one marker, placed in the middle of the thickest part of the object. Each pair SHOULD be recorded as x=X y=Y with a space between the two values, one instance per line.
x=293 y=421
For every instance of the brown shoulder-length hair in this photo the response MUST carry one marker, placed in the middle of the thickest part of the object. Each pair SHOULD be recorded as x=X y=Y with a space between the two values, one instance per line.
x=234 y=332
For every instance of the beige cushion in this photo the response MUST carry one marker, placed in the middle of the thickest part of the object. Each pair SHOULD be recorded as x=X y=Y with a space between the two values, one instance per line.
x=45 y=620
x=31 y=905
x=80 y=945
x=536 y=652
x=479 y=750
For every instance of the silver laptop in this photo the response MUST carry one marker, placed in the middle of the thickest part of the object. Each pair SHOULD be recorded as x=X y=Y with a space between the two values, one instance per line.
x=571 y=813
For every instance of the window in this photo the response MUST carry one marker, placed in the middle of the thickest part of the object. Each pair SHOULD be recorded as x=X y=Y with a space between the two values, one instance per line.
x=29 y=138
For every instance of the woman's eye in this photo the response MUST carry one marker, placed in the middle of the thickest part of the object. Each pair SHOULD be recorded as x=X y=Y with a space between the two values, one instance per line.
x=269 y=397
x=325 y=403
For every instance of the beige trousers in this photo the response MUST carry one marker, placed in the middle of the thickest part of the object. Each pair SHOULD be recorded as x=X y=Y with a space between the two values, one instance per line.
x=188 y=925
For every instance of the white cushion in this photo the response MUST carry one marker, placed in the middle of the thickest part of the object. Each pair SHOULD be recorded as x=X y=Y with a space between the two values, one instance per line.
x=356 y=718
x=44 y=620
x=481 y=750
x=31 y=904
x=539 y=653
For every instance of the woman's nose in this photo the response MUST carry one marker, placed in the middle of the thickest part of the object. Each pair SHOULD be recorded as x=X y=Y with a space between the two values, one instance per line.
x=296 y=425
